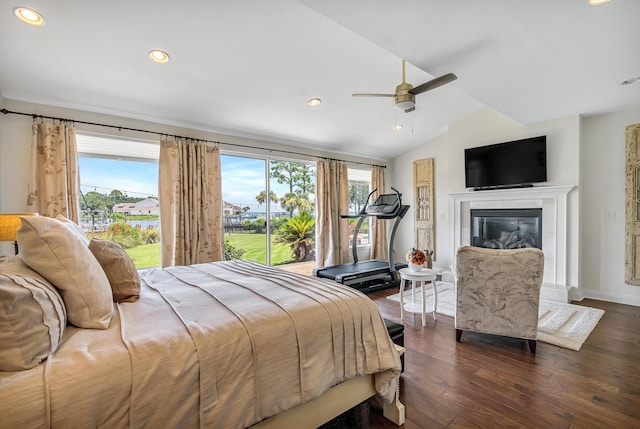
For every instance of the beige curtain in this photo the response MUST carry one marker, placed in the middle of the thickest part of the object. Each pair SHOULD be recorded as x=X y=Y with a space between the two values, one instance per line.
x=190 y=191
x=378 y=226
x=54 y=181
x=332 y=233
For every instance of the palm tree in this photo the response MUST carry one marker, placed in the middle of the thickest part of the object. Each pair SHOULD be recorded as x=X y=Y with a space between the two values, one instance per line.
x=299 y=233
x=261 y=198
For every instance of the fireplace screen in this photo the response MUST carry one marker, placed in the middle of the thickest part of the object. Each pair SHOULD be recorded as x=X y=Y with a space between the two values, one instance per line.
x=506 y=228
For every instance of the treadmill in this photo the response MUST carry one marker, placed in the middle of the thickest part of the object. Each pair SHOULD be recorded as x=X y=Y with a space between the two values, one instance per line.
x=371 y=275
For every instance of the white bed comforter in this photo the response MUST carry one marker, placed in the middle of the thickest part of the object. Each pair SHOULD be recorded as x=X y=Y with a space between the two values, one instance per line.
x=221 y=345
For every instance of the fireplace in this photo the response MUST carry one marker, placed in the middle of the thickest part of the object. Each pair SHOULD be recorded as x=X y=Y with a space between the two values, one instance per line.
x=510 y=228
x=556 y=231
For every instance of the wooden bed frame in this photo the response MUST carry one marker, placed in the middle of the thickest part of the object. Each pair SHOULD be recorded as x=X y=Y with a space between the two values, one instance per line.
x=334 y=402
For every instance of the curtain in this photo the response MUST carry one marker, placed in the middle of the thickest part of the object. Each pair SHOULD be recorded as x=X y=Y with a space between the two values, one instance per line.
x=378 y=227
x=54 y=180
x=332 y=239
x=190 y=191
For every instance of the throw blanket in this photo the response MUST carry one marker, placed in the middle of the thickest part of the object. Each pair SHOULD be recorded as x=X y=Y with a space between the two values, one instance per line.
x=225 y=344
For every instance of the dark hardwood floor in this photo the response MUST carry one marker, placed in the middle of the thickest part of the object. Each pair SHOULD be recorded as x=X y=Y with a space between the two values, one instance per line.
x=495 y=382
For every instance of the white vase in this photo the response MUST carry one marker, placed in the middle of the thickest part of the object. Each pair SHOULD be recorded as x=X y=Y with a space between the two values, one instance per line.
x=415 y=267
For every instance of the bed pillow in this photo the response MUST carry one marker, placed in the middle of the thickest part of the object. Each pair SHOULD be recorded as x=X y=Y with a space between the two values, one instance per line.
x=32 y=317
x=119 y=268
x=74 y=228
x=48 y=247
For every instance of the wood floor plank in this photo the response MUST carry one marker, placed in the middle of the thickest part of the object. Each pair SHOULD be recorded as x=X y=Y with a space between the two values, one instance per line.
x=494 y=382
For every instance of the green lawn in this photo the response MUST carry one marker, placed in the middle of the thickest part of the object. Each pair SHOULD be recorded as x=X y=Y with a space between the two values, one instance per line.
x=145 y=256
x=255 y=247
x=148 y=255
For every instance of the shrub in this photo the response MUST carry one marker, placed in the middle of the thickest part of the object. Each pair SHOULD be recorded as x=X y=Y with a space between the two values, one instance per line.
x=124 y=234
x=150 y=236
x=232 y=252
x=299 y=233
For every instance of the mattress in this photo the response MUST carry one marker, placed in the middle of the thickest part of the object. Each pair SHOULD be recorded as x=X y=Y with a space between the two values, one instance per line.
x=222 y=345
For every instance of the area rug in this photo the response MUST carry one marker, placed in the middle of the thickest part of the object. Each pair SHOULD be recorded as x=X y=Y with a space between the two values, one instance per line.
x=560 y=324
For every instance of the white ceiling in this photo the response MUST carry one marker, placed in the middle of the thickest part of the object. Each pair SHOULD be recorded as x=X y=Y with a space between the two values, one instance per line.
x=247 y=67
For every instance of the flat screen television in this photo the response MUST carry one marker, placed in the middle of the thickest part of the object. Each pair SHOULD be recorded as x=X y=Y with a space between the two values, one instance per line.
x=511 y=164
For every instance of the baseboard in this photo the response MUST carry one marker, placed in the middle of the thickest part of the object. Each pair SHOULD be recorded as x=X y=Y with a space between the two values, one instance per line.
x=580 y=294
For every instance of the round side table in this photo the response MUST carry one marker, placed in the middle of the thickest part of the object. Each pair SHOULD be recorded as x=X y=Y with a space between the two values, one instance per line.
x=423 y=276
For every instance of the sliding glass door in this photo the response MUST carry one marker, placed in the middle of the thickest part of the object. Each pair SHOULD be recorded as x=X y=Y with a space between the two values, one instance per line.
x=269 y=209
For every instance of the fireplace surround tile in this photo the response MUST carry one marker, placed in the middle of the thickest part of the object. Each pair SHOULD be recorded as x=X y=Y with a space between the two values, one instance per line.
x=552 y=200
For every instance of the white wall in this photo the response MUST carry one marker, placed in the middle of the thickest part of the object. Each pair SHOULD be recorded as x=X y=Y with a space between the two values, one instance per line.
x=488 y=126
x=586 y=152
x=603 y=207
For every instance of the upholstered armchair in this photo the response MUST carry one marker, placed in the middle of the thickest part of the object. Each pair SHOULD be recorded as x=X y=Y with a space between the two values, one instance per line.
x=498 y=292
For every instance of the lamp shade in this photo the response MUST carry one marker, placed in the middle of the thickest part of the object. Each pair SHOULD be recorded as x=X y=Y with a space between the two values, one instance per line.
x=9 y=224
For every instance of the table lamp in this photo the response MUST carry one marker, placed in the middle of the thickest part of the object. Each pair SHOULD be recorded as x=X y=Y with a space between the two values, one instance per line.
x=9 y=224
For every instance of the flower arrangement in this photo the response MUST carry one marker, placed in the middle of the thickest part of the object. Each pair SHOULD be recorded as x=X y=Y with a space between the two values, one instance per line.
x=416 y=256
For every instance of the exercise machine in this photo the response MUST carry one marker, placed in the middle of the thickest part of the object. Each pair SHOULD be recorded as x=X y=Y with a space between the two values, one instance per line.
x=371 y=275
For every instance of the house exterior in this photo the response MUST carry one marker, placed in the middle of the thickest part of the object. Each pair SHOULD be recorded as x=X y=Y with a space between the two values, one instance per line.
x=229 y=209
x=148 y=206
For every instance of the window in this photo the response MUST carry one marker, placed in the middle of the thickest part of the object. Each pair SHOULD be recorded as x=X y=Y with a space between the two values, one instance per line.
x=119 y=185
x=268 y=204
x=269 y=214
x=359 y=188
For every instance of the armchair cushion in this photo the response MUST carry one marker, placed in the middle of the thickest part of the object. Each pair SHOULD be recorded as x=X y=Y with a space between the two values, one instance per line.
x=498 y=291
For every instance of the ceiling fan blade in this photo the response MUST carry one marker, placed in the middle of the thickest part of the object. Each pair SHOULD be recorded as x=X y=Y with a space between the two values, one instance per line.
x=434 y=83
x=373 y=95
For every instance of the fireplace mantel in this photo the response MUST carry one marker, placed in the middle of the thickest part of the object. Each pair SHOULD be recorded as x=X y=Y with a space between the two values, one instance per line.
x=552 y=200
x=513 y=193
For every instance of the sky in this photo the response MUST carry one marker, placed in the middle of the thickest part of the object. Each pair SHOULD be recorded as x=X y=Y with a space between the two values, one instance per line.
x=242 y=179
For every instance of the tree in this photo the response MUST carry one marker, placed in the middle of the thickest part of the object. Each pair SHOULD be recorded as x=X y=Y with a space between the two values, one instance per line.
x=285 y=173
x=95 y=201
x=358 y=193
x=299 y=233
x=261 y=198
x=292 y=202
x=305 y=179
x=298 y=176
x=117 y=197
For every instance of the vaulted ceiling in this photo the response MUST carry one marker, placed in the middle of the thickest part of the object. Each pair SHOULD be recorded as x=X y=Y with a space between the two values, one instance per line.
x=247 y=67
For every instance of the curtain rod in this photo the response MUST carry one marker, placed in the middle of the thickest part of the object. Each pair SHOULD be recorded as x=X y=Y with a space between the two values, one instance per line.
x=120 y=128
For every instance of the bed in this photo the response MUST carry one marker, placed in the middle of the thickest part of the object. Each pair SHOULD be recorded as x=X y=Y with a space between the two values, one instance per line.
x=227 y=345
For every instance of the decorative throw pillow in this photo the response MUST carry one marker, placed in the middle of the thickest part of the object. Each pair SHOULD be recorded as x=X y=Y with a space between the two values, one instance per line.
x=48 y=247
x=32 y=317
x=119 y=268
x=74 y=228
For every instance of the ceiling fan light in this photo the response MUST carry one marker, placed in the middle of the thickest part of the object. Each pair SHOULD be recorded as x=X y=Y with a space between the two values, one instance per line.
x=404 y=105
x=404 y=100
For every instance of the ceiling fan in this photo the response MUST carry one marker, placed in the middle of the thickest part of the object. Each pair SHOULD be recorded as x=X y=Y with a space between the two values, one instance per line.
x=405 y=96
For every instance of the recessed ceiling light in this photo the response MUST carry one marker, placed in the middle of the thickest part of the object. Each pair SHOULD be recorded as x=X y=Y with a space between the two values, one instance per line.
x=314 y=102
x=159 y=56
x=597 y=2
x=630 y=81
x=29 y=16
x=397 y=127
